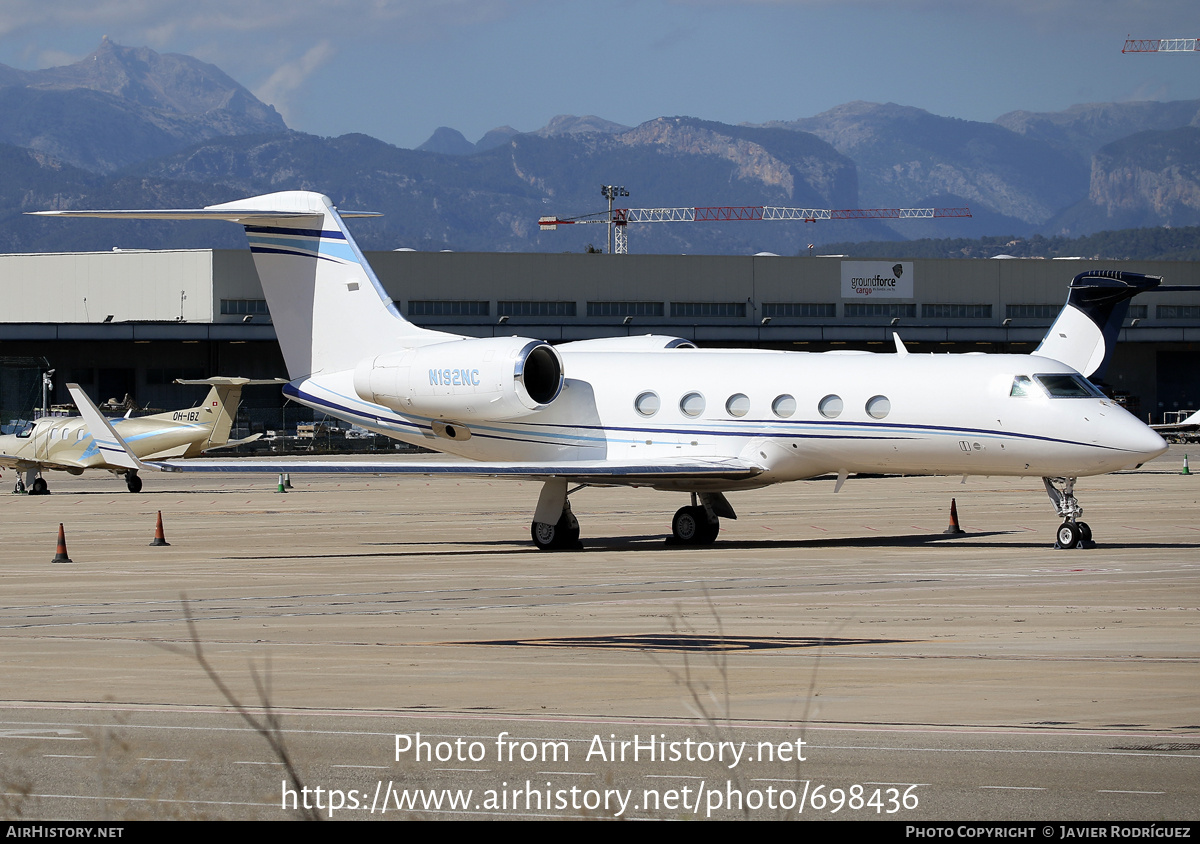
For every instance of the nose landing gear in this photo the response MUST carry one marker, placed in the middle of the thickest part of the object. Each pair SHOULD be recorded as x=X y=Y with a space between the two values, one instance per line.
x=1072 y=533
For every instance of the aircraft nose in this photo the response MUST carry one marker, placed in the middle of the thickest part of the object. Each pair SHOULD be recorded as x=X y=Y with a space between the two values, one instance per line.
x=1140 y=441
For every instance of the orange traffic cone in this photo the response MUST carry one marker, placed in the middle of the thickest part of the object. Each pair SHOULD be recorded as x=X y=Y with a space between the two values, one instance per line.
x=60 y=554
x=159 y=538
x=954 y=528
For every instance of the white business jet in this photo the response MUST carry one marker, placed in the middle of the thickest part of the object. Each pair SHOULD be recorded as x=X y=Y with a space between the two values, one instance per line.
x=658 y=412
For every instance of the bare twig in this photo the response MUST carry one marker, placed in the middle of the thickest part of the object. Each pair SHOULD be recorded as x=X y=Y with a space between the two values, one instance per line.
x=269 y=725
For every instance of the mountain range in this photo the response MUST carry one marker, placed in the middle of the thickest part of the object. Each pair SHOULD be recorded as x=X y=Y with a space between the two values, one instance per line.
x=129 y=127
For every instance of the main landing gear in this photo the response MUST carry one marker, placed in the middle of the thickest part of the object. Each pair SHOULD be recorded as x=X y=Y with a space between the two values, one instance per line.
x=697 y=524
x=1072 y=533
x=32 y=483
x=132 y=482
x=562 y=535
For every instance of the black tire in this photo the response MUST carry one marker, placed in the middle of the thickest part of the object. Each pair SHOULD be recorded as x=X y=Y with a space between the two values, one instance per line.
x=133 y=483
x=548 y=537
x=1085 y=532
x=544 y=535
x=39 y=487
x=1068 y=535
x=691 y=526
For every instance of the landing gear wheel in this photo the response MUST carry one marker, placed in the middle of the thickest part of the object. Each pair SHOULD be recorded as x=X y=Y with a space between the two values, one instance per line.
x=132 y=482
x=564 y=534
x=691 y=526
x=19 y=489
x=1085 y=532
x=1068 y=535
x=40 y=487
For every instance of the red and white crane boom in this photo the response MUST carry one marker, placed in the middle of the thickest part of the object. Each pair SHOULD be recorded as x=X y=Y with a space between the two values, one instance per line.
x=621 y=217
x=1160 y=45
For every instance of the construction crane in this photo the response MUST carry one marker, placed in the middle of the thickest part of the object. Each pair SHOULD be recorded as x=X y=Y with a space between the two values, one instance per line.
x=1160 y=45
x=618 y=218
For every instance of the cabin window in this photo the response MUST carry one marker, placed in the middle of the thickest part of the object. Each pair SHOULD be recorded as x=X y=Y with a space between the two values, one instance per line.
x=783 y=406
x=692 y=404
x=830 y=407
x=1068 y=386
x=1021 y=386
x=738 y=404
x=647 y=404
x=879 y=406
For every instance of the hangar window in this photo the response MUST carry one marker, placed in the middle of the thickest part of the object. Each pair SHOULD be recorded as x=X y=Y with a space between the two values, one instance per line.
x=242 y=307
x=692 y=404
x=956 y=311
x=1178 y=312
x=878 y=309
x=1039 y=312
x=708 y=309
x=1021 y=386
x=447 y=307
x=646 y=404
x=799 y=309
x=879 y=406
x=536 y=309
x=737 y=405
x=830 y=407
x=1068 y=386
x=783 y=406
x=624 y=309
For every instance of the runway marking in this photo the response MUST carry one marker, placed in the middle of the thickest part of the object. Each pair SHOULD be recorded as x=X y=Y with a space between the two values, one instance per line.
x=272 y=805
x=1014 y=787
x=1115 y=791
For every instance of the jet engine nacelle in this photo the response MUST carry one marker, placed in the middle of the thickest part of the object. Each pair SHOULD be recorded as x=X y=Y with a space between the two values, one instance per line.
x=486 y=378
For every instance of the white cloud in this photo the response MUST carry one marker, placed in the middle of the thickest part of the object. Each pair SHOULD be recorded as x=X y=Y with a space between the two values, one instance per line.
x=290 y=77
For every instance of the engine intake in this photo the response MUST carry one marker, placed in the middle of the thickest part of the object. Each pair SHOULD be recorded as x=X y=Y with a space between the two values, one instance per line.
x=486 y=378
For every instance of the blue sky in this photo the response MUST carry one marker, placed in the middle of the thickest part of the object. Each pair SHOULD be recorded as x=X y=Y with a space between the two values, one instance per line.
x=398 y=69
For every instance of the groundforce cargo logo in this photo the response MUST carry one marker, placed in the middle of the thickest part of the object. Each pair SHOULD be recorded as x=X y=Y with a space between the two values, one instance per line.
x=876 y=278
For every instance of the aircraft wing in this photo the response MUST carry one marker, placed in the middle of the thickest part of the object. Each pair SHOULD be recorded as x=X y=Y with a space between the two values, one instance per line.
x=23 y=464
x=623 y=473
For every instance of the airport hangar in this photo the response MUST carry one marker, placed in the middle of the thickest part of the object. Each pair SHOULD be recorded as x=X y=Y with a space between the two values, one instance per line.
x=132 y=321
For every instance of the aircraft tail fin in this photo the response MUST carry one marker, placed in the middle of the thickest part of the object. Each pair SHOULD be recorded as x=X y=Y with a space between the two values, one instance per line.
x=328 y=307
x=219 y=408
x=1085 y=332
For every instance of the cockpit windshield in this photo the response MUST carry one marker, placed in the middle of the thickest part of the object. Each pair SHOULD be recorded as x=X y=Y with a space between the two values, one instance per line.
x=1068 y=386
x=25 y=432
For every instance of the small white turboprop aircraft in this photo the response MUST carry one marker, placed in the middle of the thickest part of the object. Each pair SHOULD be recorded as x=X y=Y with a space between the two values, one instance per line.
x=655 y=411
x=72 y=444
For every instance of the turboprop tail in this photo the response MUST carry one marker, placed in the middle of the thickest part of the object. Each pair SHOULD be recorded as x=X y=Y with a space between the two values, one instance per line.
x=219 y=409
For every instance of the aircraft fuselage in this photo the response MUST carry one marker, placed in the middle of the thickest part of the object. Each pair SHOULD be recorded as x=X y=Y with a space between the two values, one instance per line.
x=796 y=414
